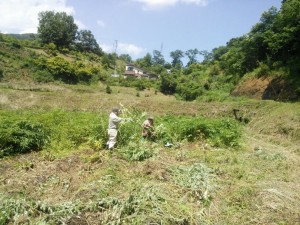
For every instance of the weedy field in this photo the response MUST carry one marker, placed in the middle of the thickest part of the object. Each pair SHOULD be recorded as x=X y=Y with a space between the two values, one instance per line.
x=54 y=168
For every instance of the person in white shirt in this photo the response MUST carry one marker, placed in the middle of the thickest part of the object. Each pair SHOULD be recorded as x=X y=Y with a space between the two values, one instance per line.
x=113 y=123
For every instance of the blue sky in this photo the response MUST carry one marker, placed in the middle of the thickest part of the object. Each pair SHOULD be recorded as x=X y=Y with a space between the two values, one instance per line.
x=141 y=26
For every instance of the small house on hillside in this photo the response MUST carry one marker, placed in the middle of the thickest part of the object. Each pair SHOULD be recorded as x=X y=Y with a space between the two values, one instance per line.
x=136 y=72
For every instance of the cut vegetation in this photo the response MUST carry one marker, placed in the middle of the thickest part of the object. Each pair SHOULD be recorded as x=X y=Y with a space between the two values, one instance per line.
x=218 y=171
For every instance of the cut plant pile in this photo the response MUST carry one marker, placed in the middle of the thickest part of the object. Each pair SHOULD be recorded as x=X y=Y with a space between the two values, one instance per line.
x=207 y=176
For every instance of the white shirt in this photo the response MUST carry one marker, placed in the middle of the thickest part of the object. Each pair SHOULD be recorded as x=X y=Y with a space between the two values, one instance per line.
x=113 y=121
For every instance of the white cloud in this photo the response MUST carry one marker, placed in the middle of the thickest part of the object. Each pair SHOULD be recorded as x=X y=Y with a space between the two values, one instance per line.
x=124 y=48
x=131 y=49
x=101 y=23
x=196 y=2
x=158 y=4
x=81 y=26
x=20 y=16
x=106 y=47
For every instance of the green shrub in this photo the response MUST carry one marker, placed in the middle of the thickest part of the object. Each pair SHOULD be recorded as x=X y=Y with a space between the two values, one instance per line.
x=262 y=70
x=42 y=76
x=189 y=91
x=140 y=84
x=214 y=95
x=137 y=151
x=62 y=70
x=1 y=74
x=21 y=137
x=69 y=130
x=16 y=45
x=108 y=89
x=220 y=132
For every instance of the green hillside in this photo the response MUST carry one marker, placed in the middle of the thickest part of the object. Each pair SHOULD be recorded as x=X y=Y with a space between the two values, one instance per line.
x=62 y=53
x=268 y=52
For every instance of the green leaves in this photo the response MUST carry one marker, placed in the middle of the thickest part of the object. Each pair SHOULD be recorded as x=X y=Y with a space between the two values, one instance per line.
x=137 y=151
x=219 y=132
x=86 y=42
x=69 y=130
x=58 y=28
x=21 y=137
x=70 y=72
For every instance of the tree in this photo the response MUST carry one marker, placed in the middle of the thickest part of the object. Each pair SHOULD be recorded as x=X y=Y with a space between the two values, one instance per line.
x=145 y=62
x=108 y=60
x=86 y=42
x=168 y=84
x=176 y=56
x=233 y=61
x=125 y=57
x=254 y=45
x=207 y=56
x=218 y=52
x=266 y=21
x=283 y=38
x=158 y=58
x=57 y=28
x=192 y=55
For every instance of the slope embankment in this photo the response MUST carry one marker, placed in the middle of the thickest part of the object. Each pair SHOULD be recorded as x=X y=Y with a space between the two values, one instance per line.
x=267 y=88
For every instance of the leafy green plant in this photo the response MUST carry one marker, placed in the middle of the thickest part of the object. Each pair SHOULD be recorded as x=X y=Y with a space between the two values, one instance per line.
x=108 y=89
x=62 y=69
x=21 y=137
x=220 y=132
x=137 y=151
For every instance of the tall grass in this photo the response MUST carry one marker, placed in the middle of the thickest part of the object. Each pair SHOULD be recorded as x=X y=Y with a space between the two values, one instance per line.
x=219 y=132
x=59 y=130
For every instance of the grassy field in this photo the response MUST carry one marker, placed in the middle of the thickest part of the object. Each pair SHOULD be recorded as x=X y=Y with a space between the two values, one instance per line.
x=195 y=181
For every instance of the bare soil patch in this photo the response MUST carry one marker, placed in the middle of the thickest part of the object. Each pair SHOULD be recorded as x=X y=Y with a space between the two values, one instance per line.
x=272 y=88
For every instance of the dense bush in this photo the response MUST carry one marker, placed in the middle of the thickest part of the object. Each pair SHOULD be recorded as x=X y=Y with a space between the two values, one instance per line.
x=219 y=132
x=62 y=70
x=137 y=151
x=1 y=74
x=58 y=68
x=21 y=137
x=189 y=91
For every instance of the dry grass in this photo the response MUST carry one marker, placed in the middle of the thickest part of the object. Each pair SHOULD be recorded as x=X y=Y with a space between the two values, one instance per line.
x=71 y=98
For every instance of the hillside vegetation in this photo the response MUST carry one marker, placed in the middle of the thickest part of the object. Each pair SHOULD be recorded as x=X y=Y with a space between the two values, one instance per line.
x=225 y=152
x=268 y=55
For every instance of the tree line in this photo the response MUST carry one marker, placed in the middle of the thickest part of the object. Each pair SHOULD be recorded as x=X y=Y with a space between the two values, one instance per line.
x=273 y=41
x=59 y=29
x=271 y=47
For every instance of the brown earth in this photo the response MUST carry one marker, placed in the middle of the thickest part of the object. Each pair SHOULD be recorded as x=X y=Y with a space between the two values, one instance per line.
x=267 y=88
